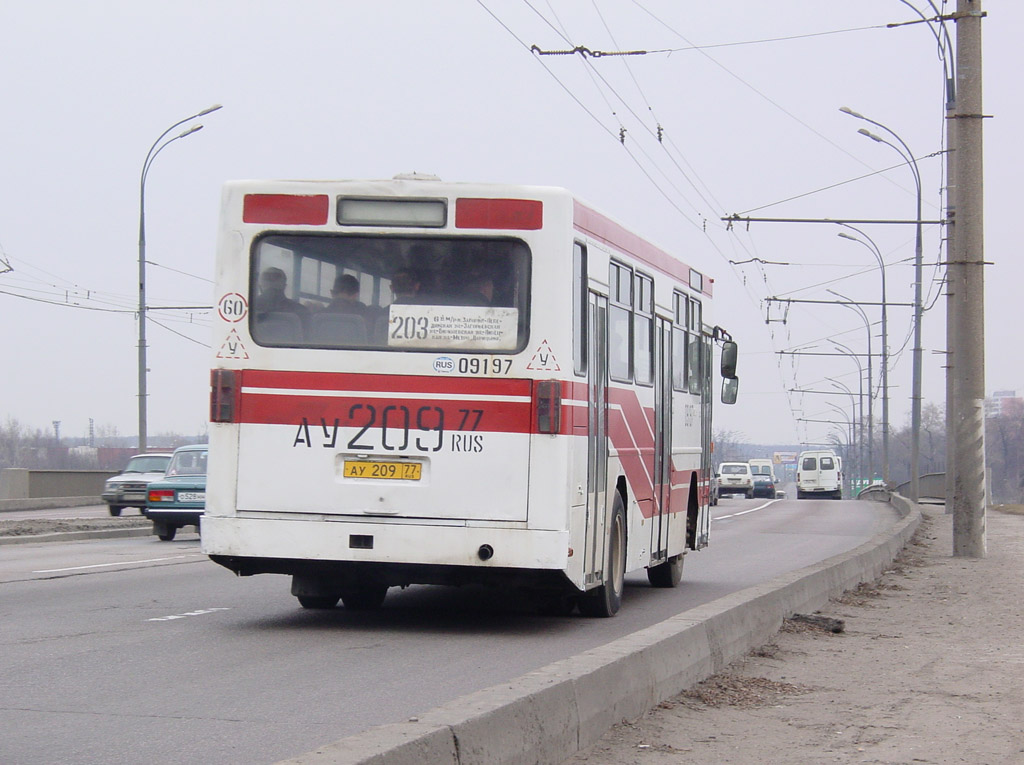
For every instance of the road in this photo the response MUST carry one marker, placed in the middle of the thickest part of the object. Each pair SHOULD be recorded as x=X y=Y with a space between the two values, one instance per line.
x=135 y=650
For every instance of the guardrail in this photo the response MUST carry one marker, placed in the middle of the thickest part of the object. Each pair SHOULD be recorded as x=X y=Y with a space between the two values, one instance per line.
x=22 y=483
x=25 y=489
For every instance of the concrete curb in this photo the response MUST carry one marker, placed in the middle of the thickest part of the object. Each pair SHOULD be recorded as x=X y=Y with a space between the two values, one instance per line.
x=553 y=712
x=73 y=536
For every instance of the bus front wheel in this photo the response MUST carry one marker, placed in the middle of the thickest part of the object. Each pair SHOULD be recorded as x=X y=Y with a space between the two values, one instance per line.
x=667 y=574
x=605 y=601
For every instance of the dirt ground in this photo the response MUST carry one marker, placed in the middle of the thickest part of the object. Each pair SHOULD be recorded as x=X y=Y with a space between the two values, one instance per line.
x=929 y=669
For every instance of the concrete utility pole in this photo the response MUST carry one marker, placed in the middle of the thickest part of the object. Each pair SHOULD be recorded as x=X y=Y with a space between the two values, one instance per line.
x=967 y=285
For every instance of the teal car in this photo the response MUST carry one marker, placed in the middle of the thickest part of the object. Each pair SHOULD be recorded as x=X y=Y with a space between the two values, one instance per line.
x=179 y=498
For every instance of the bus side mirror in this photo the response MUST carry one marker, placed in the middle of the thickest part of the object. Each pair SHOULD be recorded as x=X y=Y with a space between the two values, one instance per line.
x=730 y=387
x=729 y=354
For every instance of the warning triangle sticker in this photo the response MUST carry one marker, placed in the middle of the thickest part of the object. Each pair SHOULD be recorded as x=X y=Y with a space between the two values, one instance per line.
x=232 y=347
x=544 y=359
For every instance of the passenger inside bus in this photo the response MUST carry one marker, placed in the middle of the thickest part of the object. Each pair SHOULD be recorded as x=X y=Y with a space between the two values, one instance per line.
x=345 y=296
x=479 y=291
x=405 y=286
x=278 y=317
x=273 y=284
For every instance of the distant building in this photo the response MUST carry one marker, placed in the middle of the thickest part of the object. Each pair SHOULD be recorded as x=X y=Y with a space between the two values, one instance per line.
x=1004 y=403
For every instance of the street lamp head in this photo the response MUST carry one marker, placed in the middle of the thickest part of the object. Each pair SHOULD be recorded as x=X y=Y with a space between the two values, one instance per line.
x=844 y=235
x=872 y=136
x=209 y=109
x=191 y=130
x=851 y=112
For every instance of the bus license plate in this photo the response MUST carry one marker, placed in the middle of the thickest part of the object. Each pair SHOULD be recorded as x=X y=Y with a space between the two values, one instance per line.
x=407 y=471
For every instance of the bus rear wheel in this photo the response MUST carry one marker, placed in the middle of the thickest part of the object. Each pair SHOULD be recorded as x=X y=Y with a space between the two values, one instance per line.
x=667 y=574
x=364 y=597
x=605 y=601
x=318 y=601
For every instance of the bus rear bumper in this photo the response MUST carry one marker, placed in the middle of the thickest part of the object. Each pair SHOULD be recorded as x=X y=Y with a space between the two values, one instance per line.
x=256 y=539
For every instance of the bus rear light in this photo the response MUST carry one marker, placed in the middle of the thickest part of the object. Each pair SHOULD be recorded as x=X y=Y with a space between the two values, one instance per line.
x=288 y=209
x=518 y=214
x=223 y=395
x=548 y=405
x=161 y=495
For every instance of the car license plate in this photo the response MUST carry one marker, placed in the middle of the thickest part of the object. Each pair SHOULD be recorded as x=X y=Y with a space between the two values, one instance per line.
x=191 y=496
x=407 y=471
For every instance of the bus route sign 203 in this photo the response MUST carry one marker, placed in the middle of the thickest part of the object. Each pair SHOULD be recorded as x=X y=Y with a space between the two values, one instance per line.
x=453 y=327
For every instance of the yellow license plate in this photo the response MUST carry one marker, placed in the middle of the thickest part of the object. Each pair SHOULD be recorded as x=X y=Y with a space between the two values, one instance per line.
x=404 y=471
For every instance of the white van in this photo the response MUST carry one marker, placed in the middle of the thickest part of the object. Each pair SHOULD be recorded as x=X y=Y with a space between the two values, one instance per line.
x=819 y=474
x=763 y=467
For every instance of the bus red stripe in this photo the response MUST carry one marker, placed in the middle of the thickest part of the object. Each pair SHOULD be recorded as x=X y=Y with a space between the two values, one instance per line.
x=353 y=412
x=346 y=381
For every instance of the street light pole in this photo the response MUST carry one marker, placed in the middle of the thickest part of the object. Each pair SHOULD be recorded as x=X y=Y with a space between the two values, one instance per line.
x=915 y=396
x=871 y=383
x=870 y=244
x=847 y=473
x=158 y=145
x=846 y=350
x=859 y=417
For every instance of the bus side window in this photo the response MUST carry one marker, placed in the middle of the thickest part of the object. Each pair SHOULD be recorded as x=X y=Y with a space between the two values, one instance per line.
x=643 y=329
x=620 y=315
x=694 y=355
x=579 y=308
x=679 y=344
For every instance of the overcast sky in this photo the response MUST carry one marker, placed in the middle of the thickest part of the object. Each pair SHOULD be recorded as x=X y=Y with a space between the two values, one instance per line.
x=746 y=95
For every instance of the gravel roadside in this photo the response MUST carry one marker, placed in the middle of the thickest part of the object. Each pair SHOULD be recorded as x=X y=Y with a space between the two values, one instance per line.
x=929 y=669
x=23 y=531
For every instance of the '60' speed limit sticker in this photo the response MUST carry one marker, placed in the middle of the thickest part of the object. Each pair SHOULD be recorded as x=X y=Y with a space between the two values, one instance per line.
x=233 y=307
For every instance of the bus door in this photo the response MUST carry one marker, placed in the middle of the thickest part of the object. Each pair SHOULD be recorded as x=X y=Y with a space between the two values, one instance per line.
x=597 y=439
x=662 y=475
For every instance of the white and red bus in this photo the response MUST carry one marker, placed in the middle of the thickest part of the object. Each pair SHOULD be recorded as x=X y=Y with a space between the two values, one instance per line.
x=419 y=382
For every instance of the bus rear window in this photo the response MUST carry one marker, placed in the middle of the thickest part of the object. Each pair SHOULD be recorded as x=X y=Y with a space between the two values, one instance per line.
x=455 y=294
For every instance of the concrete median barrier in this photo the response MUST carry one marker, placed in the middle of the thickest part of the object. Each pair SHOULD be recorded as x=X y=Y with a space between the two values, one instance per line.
x=551 y=713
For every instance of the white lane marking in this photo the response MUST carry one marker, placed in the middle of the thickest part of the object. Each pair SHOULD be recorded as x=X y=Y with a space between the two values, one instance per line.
x=200 y=612
x=106 y=565
x=744 y=512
